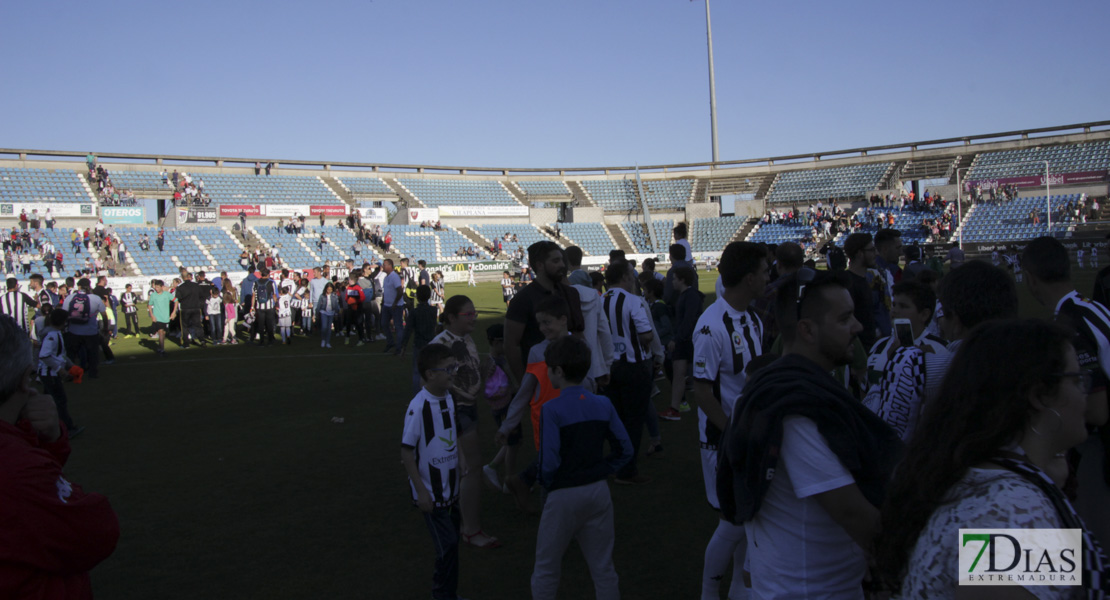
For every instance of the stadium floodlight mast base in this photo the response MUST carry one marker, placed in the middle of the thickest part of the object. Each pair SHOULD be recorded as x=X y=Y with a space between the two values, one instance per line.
x=1047 y=195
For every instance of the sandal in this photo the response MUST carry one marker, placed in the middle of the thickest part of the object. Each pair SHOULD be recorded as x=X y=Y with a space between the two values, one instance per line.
x=491 y=542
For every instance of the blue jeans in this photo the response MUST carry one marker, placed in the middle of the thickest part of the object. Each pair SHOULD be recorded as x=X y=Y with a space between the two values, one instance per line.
x=325 y=327
x=216 y=327
x=443 y=524
x=393 y=315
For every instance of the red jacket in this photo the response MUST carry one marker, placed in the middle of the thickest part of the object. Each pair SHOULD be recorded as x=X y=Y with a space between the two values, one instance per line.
x=355 y=297
x=51 y=531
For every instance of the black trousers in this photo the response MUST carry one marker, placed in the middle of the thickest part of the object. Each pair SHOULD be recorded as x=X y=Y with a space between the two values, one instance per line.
x=629 y=390
x=266 y=321
x=131 y=323
x=351 y=319
x=192 y=324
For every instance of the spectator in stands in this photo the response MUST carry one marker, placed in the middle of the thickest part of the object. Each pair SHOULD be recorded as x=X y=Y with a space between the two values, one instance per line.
x=269 y=167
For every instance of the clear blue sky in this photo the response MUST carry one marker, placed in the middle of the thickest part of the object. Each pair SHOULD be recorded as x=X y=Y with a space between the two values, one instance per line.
x=539 y=84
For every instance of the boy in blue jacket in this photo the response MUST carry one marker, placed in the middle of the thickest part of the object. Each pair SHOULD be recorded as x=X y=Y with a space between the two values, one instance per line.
x=573 y=468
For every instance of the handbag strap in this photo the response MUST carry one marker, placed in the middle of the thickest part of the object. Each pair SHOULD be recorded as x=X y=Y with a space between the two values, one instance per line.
x=1094 y=562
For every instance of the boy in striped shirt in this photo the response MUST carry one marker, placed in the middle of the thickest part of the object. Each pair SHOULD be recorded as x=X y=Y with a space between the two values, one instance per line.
x=430 y=454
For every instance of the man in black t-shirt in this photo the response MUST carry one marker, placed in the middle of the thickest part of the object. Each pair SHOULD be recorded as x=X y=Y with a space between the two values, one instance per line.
x=521 y=329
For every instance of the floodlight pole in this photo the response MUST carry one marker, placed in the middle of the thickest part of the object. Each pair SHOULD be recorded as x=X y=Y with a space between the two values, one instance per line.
x=712 y=84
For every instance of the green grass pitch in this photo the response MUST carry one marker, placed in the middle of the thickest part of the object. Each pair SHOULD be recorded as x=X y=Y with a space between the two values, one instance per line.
x=232 y=481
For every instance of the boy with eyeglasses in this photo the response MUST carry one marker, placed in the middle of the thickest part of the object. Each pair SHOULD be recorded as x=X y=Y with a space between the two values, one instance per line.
x=430 y=454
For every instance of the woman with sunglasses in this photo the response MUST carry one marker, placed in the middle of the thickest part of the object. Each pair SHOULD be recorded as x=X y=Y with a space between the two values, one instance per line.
x=988 y=453
x=458 y=318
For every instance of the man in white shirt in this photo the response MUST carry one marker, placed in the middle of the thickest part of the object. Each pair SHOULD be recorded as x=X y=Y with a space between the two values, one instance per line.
x=728 y=336
x=393 y=305
x=803 y=464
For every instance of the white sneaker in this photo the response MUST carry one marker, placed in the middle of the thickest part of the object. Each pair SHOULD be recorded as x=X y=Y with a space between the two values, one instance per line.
x=323 y=344
x=329 y=345
x=379 y=338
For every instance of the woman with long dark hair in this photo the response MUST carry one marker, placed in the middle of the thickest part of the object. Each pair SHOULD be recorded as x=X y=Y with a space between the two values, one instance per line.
x=458 y=318
x=989 y=454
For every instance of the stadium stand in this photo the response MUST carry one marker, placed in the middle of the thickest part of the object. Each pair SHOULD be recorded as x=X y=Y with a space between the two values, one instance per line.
x=415 y=243
x=664 y=234
x=591 y=237
x=272 y=189
x=42 y=185
x=207 y=248
x=60 y=239
x=908 y=221
x=710 y=235
x=613 y=196
x=1071 y=158
x=637 y=234
x=139 y=180
x=1010 y=221
x=455 y=192
x=340 y=245
x=776 y=233
x=821 y=184
x=526 y=234
x=368 y=186
x=295 y=250
x=668 y=194
x=543 y=188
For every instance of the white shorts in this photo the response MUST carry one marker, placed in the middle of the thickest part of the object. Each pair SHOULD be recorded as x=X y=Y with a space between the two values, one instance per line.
x=709 y=474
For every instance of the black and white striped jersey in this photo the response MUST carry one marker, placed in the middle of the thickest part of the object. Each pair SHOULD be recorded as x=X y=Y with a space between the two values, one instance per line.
x=430 y=430
x=15 y=304
x=1091 y=323
x=627 y=320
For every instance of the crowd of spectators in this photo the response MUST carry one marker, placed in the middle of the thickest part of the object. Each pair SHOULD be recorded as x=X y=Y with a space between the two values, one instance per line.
x=106 y=191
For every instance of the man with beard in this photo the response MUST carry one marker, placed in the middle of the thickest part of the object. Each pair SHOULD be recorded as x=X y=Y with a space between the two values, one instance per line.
x=804 y=465
x=521 y=329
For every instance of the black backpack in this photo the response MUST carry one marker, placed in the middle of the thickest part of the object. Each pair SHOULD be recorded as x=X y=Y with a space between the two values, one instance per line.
x=80 y=309
x=263 y=293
